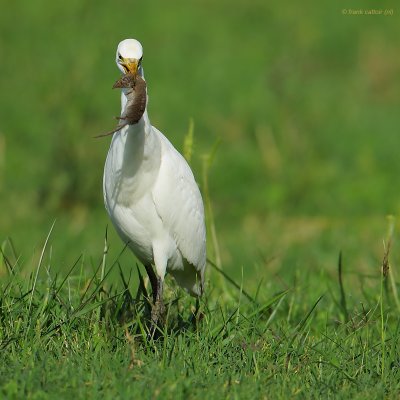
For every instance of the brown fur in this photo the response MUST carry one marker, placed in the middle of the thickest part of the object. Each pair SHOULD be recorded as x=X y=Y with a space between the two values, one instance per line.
x=136 y=101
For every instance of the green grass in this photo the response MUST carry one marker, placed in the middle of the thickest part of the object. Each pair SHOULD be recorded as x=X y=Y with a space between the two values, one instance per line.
x=301 y=104
x=83 y=335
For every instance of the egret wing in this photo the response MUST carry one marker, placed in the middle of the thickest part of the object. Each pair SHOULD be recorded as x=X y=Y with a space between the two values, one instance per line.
x=180 y=206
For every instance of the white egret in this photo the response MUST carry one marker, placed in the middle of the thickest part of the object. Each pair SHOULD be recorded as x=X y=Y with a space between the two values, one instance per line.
x=153 y=199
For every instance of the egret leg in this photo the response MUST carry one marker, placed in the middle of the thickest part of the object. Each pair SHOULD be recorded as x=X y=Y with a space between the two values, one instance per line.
x=197 y=315
x=153 y=281
x=197 y=307
x=158 y=310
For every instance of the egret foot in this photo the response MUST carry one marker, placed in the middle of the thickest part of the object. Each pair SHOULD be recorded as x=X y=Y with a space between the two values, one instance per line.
x=158 y=313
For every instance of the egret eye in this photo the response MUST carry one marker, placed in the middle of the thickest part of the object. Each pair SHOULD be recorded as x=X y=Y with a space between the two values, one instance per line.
x=119 y=57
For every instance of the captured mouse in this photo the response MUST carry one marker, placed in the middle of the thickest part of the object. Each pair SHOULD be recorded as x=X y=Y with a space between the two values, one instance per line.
x=136 y=101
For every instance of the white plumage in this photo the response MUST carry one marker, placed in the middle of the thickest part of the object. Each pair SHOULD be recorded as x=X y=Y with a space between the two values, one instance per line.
x=152 y=197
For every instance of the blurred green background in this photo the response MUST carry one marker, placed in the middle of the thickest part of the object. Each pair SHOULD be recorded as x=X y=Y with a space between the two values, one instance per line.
x=304 y=101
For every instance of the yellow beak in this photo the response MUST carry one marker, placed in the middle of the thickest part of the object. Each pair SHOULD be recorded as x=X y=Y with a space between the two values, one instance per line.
x=130 y=65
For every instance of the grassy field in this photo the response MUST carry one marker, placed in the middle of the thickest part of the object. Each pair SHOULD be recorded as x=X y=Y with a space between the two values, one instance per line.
x=295 y=111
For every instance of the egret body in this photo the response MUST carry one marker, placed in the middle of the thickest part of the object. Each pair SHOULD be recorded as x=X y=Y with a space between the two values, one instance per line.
x=152 y=197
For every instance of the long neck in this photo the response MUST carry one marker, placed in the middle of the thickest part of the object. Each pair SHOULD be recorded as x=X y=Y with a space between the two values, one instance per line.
x=133 y=161
x=135 y=148
x=135 y=138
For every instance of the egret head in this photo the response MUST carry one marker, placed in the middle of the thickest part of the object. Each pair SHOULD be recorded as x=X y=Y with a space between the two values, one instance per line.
x=129 y=56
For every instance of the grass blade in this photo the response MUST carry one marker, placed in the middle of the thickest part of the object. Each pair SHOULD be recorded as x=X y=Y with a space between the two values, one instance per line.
x=39 y=264
x=231 y=281
x=343 y=304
